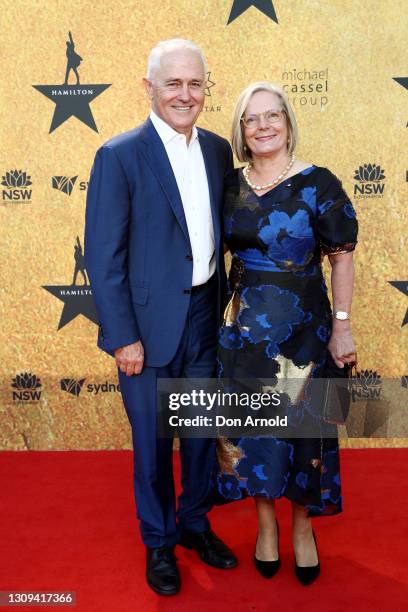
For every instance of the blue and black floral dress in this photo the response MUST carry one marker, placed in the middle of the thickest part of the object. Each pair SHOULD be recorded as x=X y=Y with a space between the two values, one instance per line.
x=278 y=323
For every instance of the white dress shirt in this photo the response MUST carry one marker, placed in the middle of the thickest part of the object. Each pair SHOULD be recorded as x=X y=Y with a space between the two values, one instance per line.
x=188 y=166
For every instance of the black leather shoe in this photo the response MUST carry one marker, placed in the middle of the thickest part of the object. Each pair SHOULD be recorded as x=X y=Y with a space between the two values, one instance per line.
x=307 y=575
x=268 y=569
x=210 y=549
x=161 y=570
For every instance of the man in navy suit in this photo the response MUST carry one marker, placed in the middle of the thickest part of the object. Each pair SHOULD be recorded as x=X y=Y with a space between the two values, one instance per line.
x=154 y=255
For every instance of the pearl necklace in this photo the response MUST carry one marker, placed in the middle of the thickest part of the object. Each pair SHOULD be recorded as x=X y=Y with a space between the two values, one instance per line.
x=282 y=175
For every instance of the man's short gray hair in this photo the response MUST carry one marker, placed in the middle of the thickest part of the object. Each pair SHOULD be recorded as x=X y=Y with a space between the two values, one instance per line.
x=164 y=46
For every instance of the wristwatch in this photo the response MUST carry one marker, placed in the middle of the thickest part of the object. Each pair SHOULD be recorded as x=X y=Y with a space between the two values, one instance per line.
x=341 y=315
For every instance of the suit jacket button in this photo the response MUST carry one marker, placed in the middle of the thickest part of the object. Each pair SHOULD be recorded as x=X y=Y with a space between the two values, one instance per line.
x=189 y=257
x=186 y=290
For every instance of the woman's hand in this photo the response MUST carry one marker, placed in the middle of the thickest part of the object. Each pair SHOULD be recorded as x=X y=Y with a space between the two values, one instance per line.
x=341 y=346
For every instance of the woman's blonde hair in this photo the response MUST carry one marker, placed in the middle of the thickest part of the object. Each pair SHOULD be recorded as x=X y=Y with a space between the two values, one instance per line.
x=242 y=152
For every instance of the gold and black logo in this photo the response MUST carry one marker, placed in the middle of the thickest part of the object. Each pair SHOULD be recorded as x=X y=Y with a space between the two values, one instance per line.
x=72 y=100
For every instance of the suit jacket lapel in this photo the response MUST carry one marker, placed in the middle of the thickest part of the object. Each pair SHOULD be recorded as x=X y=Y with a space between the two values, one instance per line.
x=210 y=161
x=157 y=158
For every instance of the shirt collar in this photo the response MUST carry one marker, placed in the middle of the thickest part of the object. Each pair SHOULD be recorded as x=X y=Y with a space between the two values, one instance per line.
x=166 y=132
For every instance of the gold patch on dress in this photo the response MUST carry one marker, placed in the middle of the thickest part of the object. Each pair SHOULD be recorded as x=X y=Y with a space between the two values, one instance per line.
x=232 y=310
x=228 y=455
x=292 y=379
x=316 y=463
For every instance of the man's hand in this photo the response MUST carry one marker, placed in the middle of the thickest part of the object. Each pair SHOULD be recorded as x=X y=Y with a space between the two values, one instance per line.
x=130 y=358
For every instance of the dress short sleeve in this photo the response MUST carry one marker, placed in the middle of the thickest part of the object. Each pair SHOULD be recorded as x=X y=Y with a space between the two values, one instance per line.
x=336 y=223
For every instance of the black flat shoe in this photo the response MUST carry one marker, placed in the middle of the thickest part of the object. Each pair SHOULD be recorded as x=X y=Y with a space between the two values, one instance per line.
x=210 y=549
x=162 y=574
x=268 y=569
x=307 y=575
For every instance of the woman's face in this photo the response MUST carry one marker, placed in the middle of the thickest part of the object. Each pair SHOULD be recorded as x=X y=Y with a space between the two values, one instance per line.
x=264 y=138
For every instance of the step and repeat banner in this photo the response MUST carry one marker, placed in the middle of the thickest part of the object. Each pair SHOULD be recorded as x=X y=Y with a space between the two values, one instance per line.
x=72 y=79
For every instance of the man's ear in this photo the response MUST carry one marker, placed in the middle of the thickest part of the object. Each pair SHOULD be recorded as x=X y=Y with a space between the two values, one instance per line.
x=148 y=87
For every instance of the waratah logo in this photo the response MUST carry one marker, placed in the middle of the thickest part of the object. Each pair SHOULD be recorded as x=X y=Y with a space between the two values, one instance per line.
x=15 y=187
x=366 y=385
x=368 y=378
x=64 y=183
x=26 y=380
x=72 y=386
x=369 y=177
x=16 y=178
x=369 y=173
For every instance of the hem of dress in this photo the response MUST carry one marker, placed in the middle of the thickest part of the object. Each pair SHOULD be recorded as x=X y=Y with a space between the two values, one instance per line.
x=337 y=509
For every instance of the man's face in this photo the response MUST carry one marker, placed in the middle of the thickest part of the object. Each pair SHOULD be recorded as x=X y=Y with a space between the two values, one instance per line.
x=177 y=89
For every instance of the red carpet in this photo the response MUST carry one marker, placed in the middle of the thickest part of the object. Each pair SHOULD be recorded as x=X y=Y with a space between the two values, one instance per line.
x=67 y=523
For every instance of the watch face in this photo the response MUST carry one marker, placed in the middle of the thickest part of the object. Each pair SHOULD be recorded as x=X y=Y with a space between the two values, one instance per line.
x=341 y=315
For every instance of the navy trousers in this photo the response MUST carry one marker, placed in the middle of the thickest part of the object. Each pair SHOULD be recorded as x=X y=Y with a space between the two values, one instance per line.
x=160 y=522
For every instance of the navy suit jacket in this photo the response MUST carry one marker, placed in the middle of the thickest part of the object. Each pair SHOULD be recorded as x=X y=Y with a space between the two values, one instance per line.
x=137 y=248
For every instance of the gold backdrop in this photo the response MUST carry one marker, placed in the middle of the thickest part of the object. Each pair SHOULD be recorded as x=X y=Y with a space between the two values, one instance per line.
x=351 y=114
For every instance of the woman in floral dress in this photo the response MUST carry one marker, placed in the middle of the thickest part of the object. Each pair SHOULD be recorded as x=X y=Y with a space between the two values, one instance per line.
x=281 y=217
